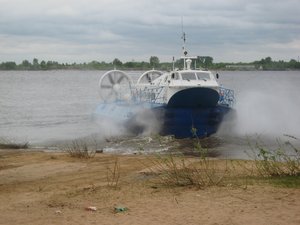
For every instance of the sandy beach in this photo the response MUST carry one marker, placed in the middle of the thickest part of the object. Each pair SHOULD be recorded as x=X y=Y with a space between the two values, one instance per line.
x=53 y=188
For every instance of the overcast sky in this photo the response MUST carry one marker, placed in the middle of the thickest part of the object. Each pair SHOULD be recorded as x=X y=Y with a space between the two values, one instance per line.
x=86 y=30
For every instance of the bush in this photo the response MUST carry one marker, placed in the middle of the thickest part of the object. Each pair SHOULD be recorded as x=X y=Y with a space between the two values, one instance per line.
x=8 y=144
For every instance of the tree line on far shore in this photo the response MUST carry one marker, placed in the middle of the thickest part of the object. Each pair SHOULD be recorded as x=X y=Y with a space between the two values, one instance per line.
x=205 y=62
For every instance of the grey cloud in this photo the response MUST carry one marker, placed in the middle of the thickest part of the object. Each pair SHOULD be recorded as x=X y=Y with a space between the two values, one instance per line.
x=133 y=29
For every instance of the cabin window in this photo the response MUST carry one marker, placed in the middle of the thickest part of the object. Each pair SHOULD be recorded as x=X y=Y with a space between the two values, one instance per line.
x=203 y=76
x=188 y=76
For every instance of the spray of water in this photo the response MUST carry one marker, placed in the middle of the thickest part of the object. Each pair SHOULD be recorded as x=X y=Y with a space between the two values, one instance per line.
x=148 y=121
x=142 y=122
x=107 y=127
x=270 y=111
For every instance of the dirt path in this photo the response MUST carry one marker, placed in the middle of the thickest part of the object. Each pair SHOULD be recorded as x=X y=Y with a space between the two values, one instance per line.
x=52 y=188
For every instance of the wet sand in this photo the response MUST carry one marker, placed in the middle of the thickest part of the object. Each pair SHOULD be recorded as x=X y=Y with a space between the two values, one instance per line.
x=53 y=188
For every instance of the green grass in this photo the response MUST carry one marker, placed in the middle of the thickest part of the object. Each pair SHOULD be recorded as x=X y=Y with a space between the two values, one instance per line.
x=286 y=181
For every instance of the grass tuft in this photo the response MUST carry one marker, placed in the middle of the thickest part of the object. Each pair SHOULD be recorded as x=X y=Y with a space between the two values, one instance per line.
x=79 y=148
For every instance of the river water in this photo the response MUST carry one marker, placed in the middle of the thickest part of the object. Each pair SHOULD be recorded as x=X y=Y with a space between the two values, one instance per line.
x=46 y=106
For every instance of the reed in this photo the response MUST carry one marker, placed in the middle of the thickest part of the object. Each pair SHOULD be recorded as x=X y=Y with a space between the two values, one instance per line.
x=113 y=174
x=9 y=144
x=279 y=166
x=178 y=170
x=79 y=148
x=283 y=160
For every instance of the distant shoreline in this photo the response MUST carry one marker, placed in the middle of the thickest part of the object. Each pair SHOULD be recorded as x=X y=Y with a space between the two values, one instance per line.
x=206 y=62
x=141 y=69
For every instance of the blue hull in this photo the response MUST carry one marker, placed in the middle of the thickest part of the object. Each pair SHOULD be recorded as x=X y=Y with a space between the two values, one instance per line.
x=172 y=121
x=188 y=122
x=193 y=112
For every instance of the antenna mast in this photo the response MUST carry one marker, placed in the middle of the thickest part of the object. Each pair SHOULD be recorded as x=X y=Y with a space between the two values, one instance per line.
x=183 y=38
x=183 y=46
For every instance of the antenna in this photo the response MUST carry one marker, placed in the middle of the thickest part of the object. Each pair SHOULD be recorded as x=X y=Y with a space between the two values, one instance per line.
x=173 y=63
x=184 y=39
x=186 y=59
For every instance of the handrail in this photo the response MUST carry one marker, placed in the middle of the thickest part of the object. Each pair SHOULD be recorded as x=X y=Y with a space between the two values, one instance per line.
x=226 y=97
x=155 y=95
x=148 y=94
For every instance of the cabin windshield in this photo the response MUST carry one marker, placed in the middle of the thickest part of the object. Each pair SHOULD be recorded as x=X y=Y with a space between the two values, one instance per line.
x=188 y=76
x=203 y=76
